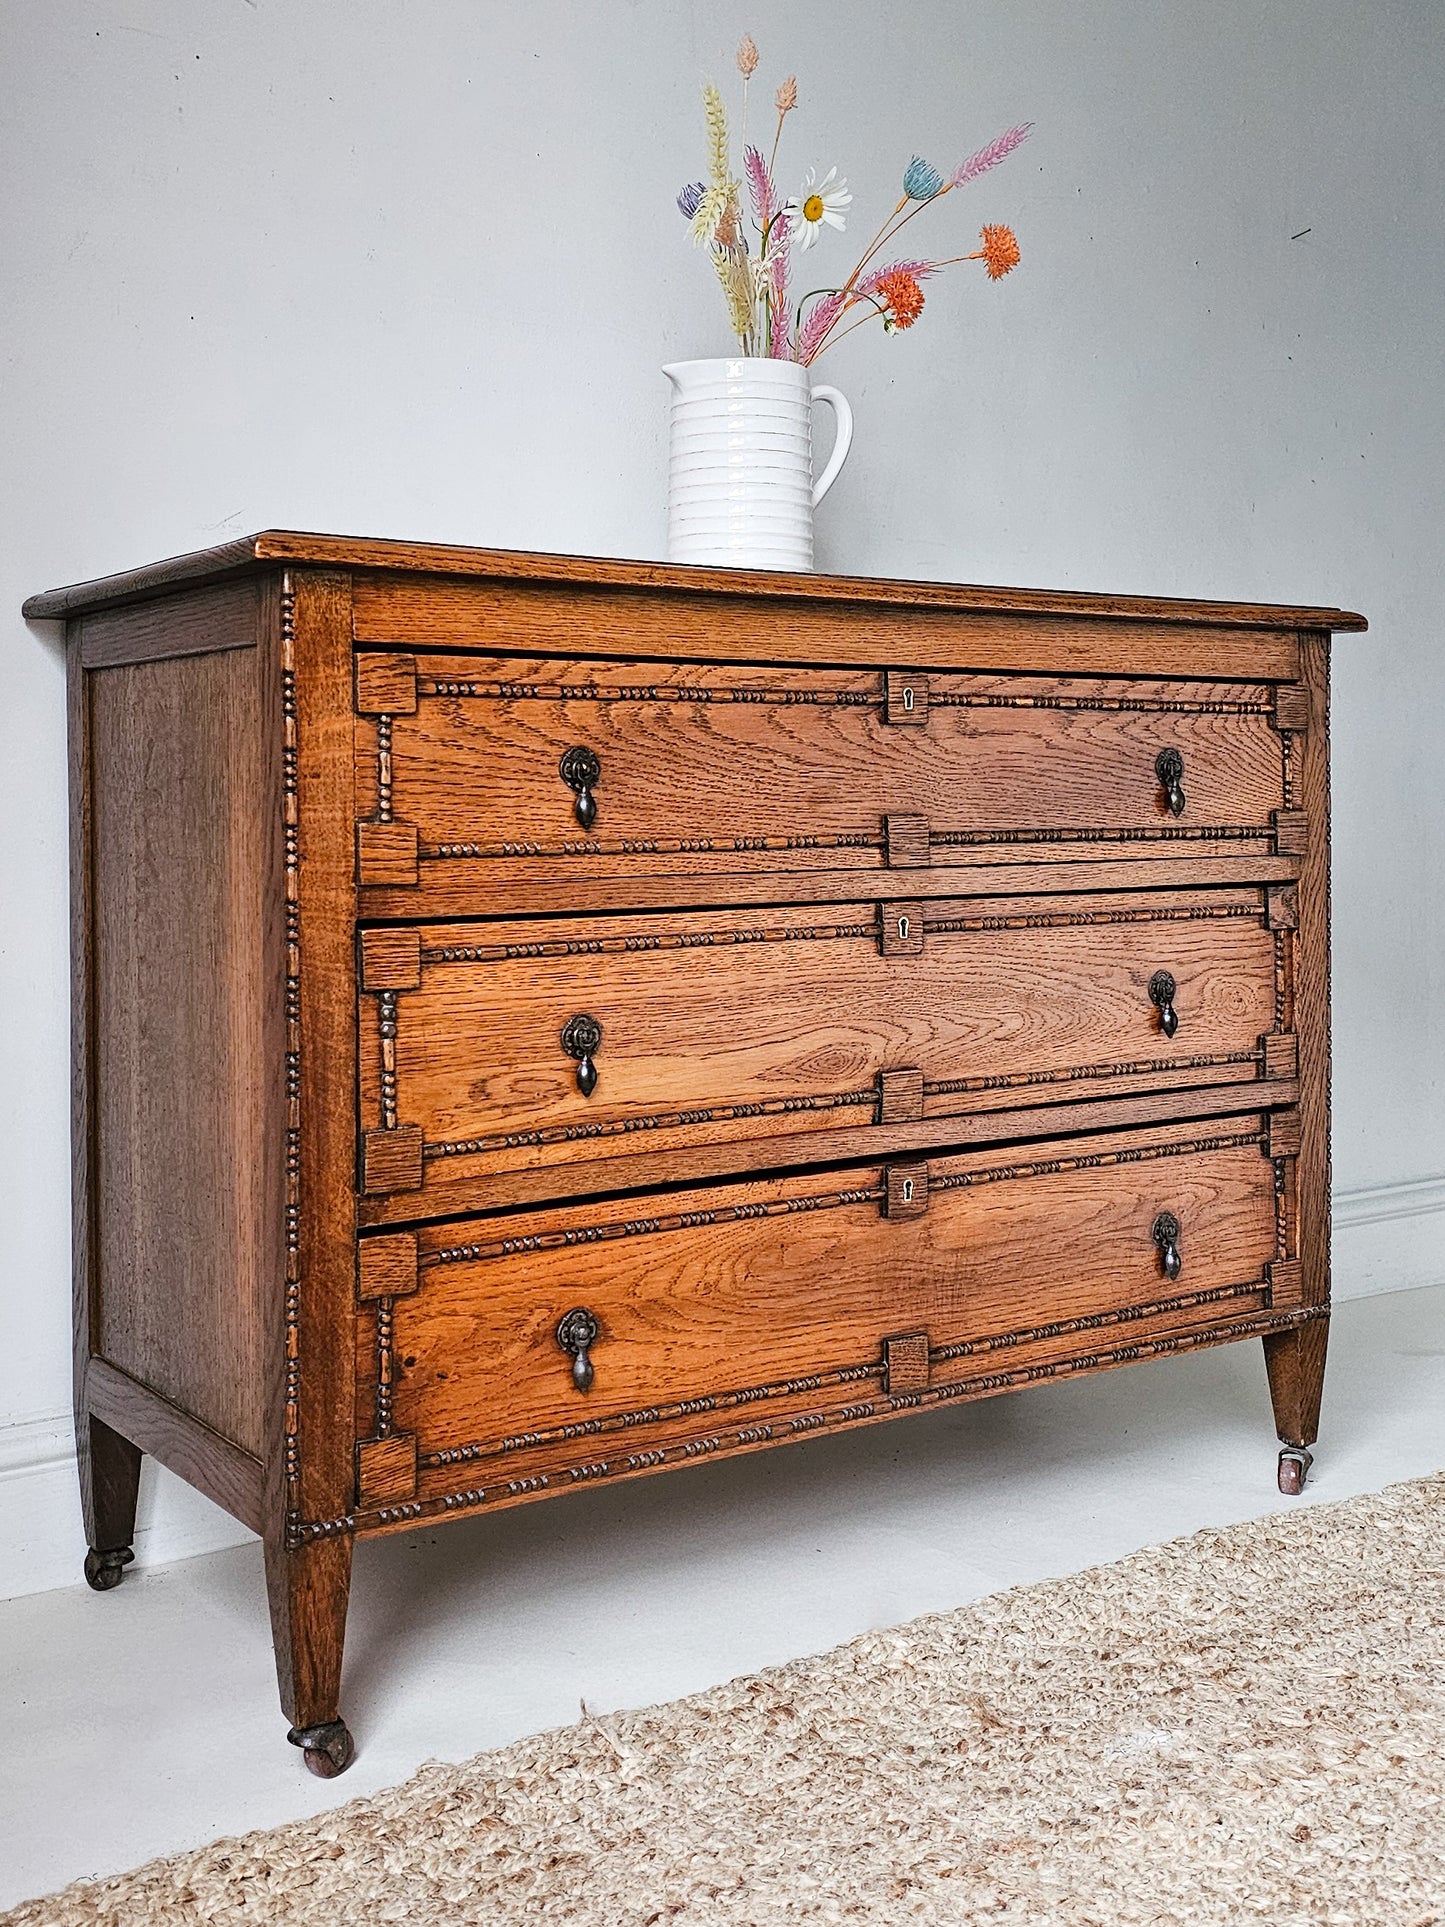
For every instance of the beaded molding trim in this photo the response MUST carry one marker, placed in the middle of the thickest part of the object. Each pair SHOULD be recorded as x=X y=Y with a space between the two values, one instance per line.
x=861 y=1412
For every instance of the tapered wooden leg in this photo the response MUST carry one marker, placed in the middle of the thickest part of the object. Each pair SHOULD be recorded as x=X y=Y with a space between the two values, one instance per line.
x=1295 y=1361
x=309 y=1587
x=109 y=1469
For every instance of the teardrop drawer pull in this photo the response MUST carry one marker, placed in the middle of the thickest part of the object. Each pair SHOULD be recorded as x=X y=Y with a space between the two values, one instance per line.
x=582 y=1039
x=1162 y=989
x=577 y=1333
x=1166 y=1236
x=580 y=770
x=1169 y=768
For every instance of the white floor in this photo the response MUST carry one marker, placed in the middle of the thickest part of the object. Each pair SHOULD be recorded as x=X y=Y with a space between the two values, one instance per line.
x=145 y=1720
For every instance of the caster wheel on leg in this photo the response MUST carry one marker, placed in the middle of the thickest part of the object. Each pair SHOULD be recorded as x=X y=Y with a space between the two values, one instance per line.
x=1294 y=1464
x=103 y=1570
x=327 y=1749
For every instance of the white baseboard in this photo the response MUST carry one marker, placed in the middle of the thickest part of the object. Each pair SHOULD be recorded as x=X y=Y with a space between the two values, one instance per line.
x=42 y=1543
x=1387 y=1238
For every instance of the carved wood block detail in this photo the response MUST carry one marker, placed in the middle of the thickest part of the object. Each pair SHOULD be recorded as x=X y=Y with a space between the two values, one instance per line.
x=906 y=1193
x=1291 y=832
x=385 y=685
x=905 y=1363
x=900 y=1096
x=387 y=1267
x=1280 y=1054
x=1282 y=906
x=386 y=853
x=1286 y=1283
x=1291 y=707
x=390 y=959
x=901 y=929
x=905 y=698
x=1283 y=1135
x=392 y=1160
x=907 y=839
x=386 y=1469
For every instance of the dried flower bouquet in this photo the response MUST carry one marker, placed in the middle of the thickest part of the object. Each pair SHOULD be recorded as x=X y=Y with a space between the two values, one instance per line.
x=755 y=278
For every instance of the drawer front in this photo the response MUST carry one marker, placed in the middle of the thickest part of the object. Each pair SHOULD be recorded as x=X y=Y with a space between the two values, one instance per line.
x=502 y=1047
x=566 y=1342
x=504 y=770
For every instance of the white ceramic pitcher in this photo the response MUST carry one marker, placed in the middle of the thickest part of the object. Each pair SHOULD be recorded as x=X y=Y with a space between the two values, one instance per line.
x=741 y=491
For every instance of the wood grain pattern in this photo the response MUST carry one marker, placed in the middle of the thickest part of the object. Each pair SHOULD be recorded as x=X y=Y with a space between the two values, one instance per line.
x=1312 y=983
x=884 y=1116
x=455 y=889
x=222 y=617
x=697 y=625
x=176 y=883
x=731 y=1025
x=759 y=1283
x=229 y=1476
x=636 y=1169
x=353 y=553
x=790 y=769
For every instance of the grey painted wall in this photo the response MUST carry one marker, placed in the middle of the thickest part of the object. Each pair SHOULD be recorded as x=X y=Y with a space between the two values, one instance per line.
x=409 y=268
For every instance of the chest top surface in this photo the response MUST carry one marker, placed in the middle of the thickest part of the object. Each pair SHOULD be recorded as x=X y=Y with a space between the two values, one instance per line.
x=272 y=548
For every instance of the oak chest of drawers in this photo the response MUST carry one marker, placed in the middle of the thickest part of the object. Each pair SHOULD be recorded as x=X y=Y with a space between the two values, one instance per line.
x=539 y=1021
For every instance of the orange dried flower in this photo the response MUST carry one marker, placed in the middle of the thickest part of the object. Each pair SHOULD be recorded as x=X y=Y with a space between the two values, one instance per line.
x=747 y=56
x=901 y=296
x=786 y=98
x=999 y=253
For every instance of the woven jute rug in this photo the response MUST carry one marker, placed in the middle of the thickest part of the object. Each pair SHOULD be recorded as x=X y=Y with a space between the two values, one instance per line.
x=1246 y=1725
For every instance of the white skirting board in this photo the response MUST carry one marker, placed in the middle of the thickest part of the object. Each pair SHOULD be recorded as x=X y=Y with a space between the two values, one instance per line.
x=1388 y=1238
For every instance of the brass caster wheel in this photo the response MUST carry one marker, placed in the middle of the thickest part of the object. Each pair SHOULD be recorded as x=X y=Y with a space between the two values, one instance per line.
x=327 y=1749
x=103 y=1570
x=1294 y=1464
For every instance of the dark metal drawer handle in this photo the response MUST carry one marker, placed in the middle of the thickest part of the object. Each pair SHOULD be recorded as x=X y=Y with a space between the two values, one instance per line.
x=577 y=1333
x=1166 y=1235
x=1161 y=994
x=582 y=1039
x=1169 y=768
x=580 y=770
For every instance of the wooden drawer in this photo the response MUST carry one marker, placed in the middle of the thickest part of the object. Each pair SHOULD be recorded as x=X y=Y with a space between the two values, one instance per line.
x=509 y=772
x=503 y=1047
x=746 y=1313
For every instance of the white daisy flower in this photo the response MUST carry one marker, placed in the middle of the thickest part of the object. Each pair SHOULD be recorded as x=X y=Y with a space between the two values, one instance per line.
x=819 y=202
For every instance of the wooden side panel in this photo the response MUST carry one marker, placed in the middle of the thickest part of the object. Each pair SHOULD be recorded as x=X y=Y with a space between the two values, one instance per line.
x=760 y=1284
x=179 y=1205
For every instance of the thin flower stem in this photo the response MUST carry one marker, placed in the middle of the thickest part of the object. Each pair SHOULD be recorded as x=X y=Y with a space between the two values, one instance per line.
x=777 y=138
x=885 y=234
x=831 y=340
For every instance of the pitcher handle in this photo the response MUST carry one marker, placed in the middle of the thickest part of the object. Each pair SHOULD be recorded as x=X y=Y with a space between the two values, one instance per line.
x=842 y=439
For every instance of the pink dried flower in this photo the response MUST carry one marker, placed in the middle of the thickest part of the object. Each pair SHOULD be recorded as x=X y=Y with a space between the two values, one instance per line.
x=821 y=316
x=990 y=156
x=786 y=98
x=916 y=270
x=760 y=185
x=747 y=56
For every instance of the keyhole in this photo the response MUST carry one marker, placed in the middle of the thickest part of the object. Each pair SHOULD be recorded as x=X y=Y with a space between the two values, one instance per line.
x=908 y=697
x=903 y=927
x=908 y=1190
